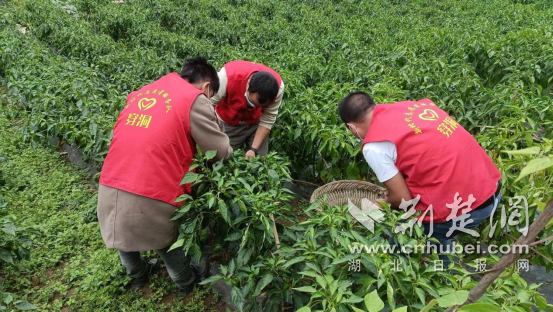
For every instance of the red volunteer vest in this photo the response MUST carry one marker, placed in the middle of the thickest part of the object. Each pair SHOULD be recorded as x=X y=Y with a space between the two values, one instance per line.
x=435 y=154
x=234 y=108
x=152 y=147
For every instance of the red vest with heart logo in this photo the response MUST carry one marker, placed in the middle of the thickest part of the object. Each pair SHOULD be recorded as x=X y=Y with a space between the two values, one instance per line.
x=234 y=108
x=152 y=146
x=437 y=157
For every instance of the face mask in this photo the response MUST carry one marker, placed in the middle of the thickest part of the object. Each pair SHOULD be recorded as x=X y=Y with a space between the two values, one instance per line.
x=247 y=99
x=358 y=137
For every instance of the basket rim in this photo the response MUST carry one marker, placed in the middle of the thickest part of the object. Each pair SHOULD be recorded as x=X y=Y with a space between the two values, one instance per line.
x=366 y=185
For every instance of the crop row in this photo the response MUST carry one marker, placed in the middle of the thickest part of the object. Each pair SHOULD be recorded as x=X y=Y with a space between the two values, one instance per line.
x=483 y=81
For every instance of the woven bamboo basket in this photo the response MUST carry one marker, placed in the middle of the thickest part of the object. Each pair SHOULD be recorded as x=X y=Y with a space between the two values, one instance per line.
x=338 y=192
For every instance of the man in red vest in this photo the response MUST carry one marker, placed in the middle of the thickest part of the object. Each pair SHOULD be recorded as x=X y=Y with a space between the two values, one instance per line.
x=153 y=145
x=418 y=150
x=247 y=103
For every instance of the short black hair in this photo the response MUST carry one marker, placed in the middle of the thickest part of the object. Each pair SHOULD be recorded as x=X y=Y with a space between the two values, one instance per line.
x=355 y=106
x=197 y=70
x=264 y=84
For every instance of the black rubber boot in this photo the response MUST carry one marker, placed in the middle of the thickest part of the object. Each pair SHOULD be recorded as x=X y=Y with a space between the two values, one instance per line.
x=153 y=268
x=183 y=292
x=202 y=269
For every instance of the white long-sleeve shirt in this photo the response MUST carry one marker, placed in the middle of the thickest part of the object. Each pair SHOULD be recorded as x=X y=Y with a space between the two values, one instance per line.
x=269 y=113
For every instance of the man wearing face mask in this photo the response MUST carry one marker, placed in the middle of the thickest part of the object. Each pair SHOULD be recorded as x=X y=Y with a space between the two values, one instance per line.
x=153 y=145
x=247 y=104
x=415 y=148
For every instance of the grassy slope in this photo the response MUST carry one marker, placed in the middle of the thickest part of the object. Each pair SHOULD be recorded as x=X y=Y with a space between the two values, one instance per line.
x=70 y=268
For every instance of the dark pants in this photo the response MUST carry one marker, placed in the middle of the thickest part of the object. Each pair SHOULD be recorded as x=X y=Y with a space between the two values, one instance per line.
x=178 y=265
x=244 y=134
x=440 y=230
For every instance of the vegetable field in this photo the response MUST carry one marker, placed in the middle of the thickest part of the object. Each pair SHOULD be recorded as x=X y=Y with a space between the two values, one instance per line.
x=66 y=68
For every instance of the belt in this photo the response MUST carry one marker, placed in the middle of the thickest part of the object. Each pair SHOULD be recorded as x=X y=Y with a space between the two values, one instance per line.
x=490 y=200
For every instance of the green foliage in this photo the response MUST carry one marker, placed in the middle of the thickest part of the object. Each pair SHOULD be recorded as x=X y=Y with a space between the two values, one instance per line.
x=488 y=63
x=311 y=271
x=69 y=265
x=540 y=163
x=233 y=202
x=14 y=241
x=15 y=246
x=485 y=62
